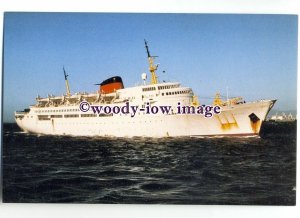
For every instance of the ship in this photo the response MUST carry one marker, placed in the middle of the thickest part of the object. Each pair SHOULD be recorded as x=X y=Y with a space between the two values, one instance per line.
x=79 y=114
x=282 y=118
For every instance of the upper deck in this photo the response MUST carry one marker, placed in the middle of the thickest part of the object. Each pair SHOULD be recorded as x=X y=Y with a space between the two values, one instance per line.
x=137 y=94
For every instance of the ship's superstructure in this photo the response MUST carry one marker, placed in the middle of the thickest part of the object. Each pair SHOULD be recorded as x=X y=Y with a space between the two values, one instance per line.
x=60 y=115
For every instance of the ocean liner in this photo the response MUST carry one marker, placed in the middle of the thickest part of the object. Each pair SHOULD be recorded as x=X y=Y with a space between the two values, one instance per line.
x=81 y=114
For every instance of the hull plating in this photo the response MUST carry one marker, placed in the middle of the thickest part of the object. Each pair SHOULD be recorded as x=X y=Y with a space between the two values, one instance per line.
x=233 y=120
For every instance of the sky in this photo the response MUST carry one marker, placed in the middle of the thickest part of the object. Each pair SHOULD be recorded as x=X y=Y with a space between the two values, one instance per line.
x=254 y=56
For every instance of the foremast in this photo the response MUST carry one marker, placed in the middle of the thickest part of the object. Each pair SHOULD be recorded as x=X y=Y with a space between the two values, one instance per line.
x=67 y=83
x=152 y=67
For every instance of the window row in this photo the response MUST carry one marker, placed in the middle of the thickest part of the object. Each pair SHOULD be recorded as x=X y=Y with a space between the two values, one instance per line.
x=168 y=87
x=177 y=92
x=60 y=110
x=149 y=89
x=47 y=117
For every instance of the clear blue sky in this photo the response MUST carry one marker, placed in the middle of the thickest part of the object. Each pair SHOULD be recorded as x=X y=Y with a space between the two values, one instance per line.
x=254 y=55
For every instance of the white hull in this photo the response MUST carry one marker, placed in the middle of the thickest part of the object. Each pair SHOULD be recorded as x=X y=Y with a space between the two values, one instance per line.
x=64 y=115
x=233 y=120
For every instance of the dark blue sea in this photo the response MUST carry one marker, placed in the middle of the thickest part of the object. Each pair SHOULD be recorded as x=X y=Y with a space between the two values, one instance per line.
x=211 y=170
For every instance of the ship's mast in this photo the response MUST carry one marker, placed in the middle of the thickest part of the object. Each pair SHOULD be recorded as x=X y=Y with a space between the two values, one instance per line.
x=152 y=66
x=67 y=82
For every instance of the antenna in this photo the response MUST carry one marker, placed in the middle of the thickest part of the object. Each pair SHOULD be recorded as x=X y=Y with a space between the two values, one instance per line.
x=152 y=67
x=67 y=82
x=227 y=95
